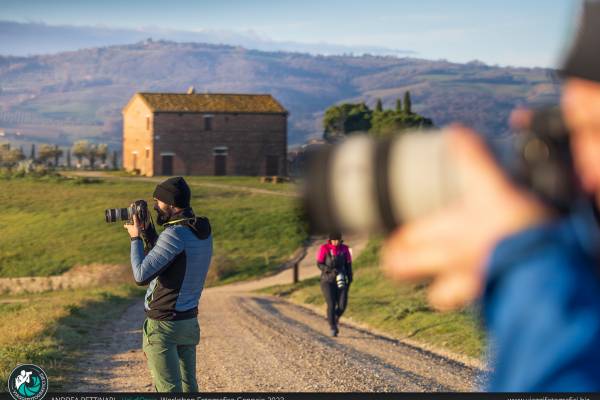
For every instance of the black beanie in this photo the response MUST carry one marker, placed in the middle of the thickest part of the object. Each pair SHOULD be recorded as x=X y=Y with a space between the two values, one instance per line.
x=583 y=60
x=335 y=236
x=174 y=191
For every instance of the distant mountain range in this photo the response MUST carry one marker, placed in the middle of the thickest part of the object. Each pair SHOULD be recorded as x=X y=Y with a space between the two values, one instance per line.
x=65 y=96
x=33 y=38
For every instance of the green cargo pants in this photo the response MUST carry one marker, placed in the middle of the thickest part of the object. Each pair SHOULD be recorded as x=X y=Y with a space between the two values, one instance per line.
x=170 y=348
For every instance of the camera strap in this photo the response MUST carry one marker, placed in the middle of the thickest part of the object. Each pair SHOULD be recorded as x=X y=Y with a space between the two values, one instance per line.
x=180 y=220
x=189 y=222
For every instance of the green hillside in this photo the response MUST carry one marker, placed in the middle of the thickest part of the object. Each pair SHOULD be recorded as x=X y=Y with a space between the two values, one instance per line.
x=80 y=94
x=50 y=225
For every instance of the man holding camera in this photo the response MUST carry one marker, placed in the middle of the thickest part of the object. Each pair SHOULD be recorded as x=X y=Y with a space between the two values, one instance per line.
x=538 y=275
x=175 y=270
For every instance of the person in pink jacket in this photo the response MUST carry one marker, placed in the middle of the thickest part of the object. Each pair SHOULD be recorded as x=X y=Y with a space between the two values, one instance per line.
x=335 y=262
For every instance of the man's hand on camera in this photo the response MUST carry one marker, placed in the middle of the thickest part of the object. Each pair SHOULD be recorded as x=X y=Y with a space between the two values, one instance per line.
x=133 y=229
x=451 y=246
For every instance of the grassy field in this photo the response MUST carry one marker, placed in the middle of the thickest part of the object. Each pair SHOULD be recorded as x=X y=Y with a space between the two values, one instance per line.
x=50 y=225
x=253 y=182
x=400 y=310
x=51 y=328
x=244 y=181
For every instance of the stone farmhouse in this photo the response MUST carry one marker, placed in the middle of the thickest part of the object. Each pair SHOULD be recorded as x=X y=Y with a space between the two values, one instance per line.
x=205 y=134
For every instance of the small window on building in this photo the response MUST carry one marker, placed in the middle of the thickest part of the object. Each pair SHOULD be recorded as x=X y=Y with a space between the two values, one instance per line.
x=147 y=123
x=147 y=153
x=208 y=122
x=220 y=151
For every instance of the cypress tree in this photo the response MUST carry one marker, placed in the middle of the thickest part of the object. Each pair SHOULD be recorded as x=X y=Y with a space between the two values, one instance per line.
x=398 y=106
x=68 y=158
x=32 y=155
x=379 y=106
x=407 y=103
x=91 y=155
x=57 y=154
x=114 y=160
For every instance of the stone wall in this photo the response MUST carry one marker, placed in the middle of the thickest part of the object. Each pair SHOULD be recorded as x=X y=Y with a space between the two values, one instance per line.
x=247 y=140
x=137 y=137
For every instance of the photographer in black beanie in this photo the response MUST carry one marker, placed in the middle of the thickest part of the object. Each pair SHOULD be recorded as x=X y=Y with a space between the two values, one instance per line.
x=175 y=270
x=172 y=197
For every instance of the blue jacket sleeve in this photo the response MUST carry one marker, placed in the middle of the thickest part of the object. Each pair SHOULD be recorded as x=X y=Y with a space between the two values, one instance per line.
x=542 y=311
x=167 y=247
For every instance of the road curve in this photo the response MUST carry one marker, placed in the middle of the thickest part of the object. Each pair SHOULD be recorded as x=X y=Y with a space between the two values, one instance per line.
x=252 y=342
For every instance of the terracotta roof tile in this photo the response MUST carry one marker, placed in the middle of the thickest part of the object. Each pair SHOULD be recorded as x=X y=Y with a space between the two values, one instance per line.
x=212 y=102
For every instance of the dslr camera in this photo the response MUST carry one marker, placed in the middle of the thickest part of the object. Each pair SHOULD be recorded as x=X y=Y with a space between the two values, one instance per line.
x=366 y=185
x=138 y=208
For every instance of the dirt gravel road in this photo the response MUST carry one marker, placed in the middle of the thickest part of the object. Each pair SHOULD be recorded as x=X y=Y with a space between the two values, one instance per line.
x=252 y=342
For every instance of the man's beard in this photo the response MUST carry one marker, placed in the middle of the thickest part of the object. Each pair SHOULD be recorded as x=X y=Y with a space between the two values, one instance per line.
x=162 y=217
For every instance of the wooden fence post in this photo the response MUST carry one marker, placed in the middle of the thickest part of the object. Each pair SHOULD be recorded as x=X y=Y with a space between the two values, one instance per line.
x=296 y=272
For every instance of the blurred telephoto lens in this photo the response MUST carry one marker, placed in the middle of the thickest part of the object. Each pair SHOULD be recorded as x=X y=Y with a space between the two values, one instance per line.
x=366 y=185
x=117 y=214
x=363 y=184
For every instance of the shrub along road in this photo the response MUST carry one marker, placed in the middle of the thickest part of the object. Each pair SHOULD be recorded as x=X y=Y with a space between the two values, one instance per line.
x=253 y=342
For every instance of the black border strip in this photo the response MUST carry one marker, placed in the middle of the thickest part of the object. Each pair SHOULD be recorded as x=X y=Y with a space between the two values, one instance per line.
x=314 y=396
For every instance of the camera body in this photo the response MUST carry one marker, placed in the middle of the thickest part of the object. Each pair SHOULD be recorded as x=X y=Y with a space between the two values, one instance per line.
x=340 y=280
x=138 y=208
x=366 y=185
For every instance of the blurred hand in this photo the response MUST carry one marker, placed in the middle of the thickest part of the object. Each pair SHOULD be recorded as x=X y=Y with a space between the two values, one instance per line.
x=451 y=246
x=133 y=230
x=580 y=102
x=520 y=118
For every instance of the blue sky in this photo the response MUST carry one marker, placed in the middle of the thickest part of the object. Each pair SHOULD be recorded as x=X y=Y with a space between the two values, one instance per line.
x=505 y=32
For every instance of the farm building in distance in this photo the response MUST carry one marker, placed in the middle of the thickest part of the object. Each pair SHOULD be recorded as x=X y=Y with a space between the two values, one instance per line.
x=204 y=134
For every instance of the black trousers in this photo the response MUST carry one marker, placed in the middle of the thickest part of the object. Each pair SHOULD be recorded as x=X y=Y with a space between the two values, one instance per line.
x=337 y=300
